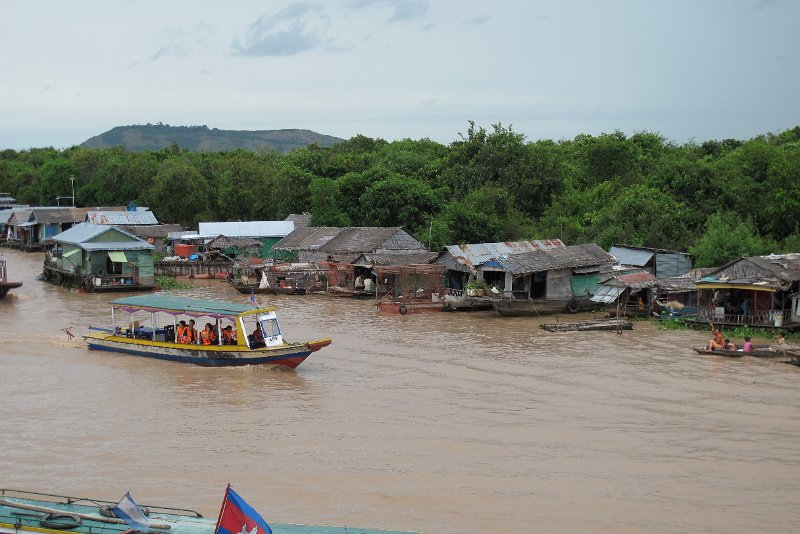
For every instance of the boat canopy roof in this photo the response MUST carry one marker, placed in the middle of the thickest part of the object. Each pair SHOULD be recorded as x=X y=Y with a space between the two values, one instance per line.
x=179 y=305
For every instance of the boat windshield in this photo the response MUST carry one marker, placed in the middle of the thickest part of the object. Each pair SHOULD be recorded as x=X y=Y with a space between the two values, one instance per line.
x=271 y=329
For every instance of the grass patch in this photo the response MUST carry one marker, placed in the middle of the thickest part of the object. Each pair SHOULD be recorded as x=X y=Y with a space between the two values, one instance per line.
x=673 y=324
x=170 y=282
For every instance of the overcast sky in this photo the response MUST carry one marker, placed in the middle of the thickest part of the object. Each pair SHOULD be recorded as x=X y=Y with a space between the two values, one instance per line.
x=394 y=69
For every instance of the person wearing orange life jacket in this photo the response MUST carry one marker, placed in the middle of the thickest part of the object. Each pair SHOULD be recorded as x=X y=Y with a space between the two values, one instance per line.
x=228 y=337
x=207 y=336
x=180 y=332
x=191 y=333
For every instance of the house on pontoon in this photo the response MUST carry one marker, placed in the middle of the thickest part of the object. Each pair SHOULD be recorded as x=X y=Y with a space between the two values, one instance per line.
x=754 y=290
x=268 y=233
x=99 y=258
x=477 y=262
x=551 y=281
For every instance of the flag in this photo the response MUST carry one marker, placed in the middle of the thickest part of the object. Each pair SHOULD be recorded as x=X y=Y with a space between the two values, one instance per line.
x=238 y=517
x=131 y=514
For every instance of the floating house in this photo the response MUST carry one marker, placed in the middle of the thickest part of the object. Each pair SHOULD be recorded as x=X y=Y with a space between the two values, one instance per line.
x=345 y=245
x=659 y=262
x=100 y=258
x=236 y=247
x=267 y=232
x=551 y=281
x=753 y=290
x=478 y=261
x=32 y=228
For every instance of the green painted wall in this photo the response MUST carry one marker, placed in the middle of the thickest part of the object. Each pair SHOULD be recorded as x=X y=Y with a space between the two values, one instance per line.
x=583 y=284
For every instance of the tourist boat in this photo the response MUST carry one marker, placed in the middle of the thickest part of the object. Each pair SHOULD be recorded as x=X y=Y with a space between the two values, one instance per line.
x=26 y=512
x=757 y=352
x=5 y=285
x=155 y=339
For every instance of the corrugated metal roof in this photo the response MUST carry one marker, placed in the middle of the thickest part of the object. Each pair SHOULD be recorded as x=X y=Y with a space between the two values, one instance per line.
x=606 y=294
x=178 y=234
x=5 y=215
x=636 y=280
x=140 y=216
x=556 y=258
x=59 y=215
x=246 y=229
x=83 y=232
x=631 y=256
x=475 y=254
x=775 y=270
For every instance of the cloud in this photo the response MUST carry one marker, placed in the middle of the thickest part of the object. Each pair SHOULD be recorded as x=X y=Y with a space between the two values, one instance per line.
x=408 y=9
x=181 y=42
x=291 y=31
x=401 y=10
x=478 y=20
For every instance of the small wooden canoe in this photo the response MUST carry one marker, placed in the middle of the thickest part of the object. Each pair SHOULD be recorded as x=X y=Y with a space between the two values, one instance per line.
x=761 y=352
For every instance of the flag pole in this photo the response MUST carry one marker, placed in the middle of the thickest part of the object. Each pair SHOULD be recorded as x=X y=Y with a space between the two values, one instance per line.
x=222 y=508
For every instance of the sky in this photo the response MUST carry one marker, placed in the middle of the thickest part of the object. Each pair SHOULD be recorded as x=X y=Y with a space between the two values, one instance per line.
x=690 y=70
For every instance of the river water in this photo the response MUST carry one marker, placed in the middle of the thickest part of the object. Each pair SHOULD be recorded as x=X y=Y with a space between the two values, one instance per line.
x=447 y=423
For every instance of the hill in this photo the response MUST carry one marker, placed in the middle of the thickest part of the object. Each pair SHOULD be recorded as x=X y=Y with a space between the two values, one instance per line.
x=141 y=137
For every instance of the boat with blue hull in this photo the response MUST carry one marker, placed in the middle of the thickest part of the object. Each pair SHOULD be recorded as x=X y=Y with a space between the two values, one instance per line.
x=27 y=512
x=155 y=326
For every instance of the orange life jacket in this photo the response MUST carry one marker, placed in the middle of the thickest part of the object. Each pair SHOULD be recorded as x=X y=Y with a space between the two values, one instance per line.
x=227 y=337
x=207 y=337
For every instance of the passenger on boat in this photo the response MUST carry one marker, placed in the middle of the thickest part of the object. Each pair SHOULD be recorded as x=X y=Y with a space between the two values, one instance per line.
x=729 y=345
x=368 y=284
x=717 y=340
x=191 y=333
x=207 y=336
x=780 y=341
x=748 y=345
x=257 y=339
x=180 y=333
x=359 y=282
x=228 y=336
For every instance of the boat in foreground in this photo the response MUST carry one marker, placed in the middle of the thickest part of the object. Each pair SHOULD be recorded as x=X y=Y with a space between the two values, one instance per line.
x=265 y=346
x=5 y=285
x=22 y=511
x=757 y=352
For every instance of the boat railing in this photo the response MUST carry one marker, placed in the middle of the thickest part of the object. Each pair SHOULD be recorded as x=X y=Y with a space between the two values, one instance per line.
x=450 y=292
x=23 y=494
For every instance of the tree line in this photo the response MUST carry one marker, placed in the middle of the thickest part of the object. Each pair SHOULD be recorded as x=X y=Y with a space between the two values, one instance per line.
x=716 y=199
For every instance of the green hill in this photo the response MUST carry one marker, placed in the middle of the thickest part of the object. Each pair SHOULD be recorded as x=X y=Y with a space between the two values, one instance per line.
x=140 y=137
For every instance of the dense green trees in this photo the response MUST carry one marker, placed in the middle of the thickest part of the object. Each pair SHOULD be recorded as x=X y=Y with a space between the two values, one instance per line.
x=718 y=199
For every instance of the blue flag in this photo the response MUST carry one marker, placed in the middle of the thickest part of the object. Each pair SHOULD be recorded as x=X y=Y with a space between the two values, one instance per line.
x=131 y=514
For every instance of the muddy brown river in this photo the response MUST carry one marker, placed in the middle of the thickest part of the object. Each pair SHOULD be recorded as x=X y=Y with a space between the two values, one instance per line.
x=447 y=423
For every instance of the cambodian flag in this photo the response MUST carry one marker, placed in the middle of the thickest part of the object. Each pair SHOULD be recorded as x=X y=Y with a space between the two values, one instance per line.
x=238 y=517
